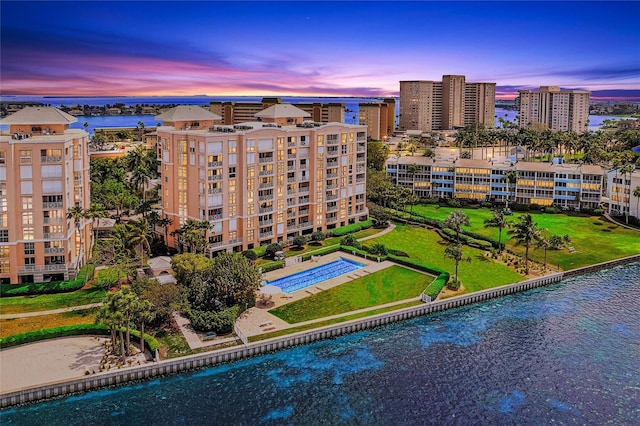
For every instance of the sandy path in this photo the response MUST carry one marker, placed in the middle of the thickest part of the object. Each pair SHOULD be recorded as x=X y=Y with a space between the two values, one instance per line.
x=49 y=361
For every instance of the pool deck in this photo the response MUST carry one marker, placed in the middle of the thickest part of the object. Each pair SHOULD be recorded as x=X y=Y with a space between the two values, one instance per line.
x=258 y=320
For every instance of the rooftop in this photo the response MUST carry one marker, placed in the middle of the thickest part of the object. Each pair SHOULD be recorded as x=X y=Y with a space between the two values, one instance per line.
x=39 y=115
x=187 y=113
x=282 y=111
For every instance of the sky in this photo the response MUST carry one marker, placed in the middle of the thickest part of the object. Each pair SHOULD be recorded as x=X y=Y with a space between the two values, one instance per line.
x=307 y=48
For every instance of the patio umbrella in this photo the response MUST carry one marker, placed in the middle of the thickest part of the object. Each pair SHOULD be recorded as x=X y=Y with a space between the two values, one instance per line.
x=270 y=289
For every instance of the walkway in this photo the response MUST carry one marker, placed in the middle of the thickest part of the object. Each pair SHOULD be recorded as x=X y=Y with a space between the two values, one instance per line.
x=192 y=338
x=50 y=312
x=612 y=220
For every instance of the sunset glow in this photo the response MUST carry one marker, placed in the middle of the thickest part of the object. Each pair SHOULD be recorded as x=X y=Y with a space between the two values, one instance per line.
x=315 y=48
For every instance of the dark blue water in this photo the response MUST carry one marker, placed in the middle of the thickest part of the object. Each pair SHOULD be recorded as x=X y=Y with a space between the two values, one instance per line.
x=315 y=275
x=567 y=354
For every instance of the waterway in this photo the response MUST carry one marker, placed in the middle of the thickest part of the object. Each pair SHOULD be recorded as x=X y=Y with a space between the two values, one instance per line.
x=350 y=117
x=565 y=354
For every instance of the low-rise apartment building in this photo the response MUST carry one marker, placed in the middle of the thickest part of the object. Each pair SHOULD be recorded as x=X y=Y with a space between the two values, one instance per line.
x=568 y=186
x=262 y=181
x=239 y=112
x=620 y=188
x=44 y=171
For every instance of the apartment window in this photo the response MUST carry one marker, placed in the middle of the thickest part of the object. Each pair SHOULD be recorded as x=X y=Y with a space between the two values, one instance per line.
x=232 y=172
x=3 y=189
x=4 y=220
x=27 y=218
x=25 y=156
x=4 y=235
x=27 y=203
x=27 y=233
x=29 y=249
x=3 y=159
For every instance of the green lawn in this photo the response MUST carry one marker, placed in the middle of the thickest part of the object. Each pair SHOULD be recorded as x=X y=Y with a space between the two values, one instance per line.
x=46 y=302
x=427 y=246
x=388 y=285
x=594 y=239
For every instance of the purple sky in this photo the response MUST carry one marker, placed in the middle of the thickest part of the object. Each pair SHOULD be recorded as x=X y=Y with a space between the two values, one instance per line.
x=358 y=48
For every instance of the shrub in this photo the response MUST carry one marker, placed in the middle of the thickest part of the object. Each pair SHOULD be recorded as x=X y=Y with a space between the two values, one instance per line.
x=377 y=249
x=259 y=251
x=318 y=236
x=598 y=212
x=271 y=249
x=354 y=227
x=551 y=209
x=250 y=254
x=8 y=290
x=350 y=240
x=486 y=204
x=299 y=241
x=320 y=252
x=221 y=322
x=272 y=266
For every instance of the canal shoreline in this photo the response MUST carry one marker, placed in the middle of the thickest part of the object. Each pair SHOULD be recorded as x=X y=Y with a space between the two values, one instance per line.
x=168 y=367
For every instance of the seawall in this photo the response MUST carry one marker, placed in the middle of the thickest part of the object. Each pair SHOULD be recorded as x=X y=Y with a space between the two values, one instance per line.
x=173 y=366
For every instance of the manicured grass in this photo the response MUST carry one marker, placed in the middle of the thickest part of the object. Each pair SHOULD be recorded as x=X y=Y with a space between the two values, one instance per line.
x=22 y=325
x=313 y=325
x=388 y=285
x=45 y=302
x=594 y=239
x=427 y=246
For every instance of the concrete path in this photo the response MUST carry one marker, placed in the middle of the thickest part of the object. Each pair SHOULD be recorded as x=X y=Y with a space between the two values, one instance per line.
x=379 y=234
x=50 y=312
x=192 y=338
x=612 y=220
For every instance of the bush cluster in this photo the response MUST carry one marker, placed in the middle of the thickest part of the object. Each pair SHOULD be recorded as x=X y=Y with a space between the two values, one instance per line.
x=221 y=322
x=354 y=227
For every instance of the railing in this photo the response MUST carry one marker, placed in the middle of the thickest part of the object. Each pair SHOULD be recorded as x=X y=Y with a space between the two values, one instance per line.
x=332 y=175
x=303 y=200
x=265 y=209
x=266 y=185
x=303 y=178
x=266 y=234
x=291 y=179
x=265 y=172
x=214 y=177
x=225 y=243
x=291 y=214
x=265 y=160
x=53 y=235
x=300 y=226
x=214 y=164
x=332 y=141
x=51 y=220
x=331 y=219
x=214 y=190
x=215 y=217
x=303 y=191
x=51 y=158
x=291 y=156
x=265 y=197
x=265 y=222
x=53 y=250
x=332 y=164
x=52 y=205
x=45 y=268
x=332 y=208
x=332 y=186
x=331 y=197
x=291 y=167
x=291 y=203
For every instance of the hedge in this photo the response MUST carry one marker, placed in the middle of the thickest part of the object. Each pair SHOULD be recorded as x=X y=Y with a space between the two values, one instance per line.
x=10 y=290
x=436 y=285
x=221 y=322
x=320 y=252
x=70 y=330
x=354 y=227
x=268 y=267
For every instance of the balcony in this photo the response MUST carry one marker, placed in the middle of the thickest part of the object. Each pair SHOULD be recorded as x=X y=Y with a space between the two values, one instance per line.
x=265 y=222
x=265 y=172
x=265 y=197
x=214 y=217
x=53 y=205
x=225 y=243
x=51 y=159
x=291 y=156
x=291 y=203
x=214 y=177
x=302 y=225
x=53 y=220
x=266 y=234
x=45 y=268
x=332 y=208
x=263 y=160
x=332 y=164
x=331 y=197
x=303 y=178
x=214 y=164
x=332 y=141
x=332 y=186
x=304 y=190
x=214 y=190
x=361 y=148
x=266 y=185
x=53 y=235
x=303 y=200
x=291 y=215
x=291 y=167
x=268 y=209
x=331 y=219
x=332 y=175
x=291 y=179
x=53 y=250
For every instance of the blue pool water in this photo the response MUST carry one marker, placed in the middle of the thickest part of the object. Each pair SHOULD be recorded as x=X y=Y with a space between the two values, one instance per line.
x=315 y=275
x=566 y=354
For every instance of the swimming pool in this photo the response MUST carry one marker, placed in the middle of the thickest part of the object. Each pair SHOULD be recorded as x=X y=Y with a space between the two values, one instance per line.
x=315 y=275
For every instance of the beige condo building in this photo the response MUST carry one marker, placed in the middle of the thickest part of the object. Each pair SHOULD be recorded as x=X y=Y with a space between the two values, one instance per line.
x=240 y=112
x=263 y=181
x=446 y=105
x=553 y=108
x=379 y=117
x=44 y=170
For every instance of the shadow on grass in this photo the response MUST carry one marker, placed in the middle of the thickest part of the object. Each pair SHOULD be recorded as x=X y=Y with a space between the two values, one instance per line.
x=482 y=258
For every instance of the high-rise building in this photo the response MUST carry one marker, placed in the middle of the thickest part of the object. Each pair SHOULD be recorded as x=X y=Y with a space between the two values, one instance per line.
x=447 y=104
x=240 y=112
x=263 y=181
x=374 y=115
x=553 y=108
x=44 y=171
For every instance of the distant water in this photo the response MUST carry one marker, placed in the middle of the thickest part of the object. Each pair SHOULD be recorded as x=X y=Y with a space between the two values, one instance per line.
x=566 y=354
x=351 y=106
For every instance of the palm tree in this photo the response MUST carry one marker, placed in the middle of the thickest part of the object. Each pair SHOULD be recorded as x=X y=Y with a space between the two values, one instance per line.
x=77 y=213
x=526 y=232
x=455 y=221
x=454 y=252
x=145 y=314
x=139 y=234
x=499 y=220
x=511 y=177
x=543 y=243
x=636 y=193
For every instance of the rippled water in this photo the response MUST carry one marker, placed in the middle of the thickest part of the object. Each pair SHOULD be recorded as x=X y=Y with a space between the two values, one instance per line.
x=564 y=354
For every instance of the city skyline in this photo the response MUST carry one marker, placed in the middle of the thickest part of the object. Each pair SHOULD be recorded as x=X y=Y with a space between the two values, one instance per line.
x=315 y=48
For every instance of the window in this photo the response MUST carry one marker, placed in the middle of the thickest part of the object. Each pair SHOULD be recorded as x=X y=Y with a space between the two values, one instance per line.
x=232 y=172
x=4 y=235
x=29 y=248
x=25 y=156
x=27 y=203
x=3 y=159
x=27 y=218
x=27 y=233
